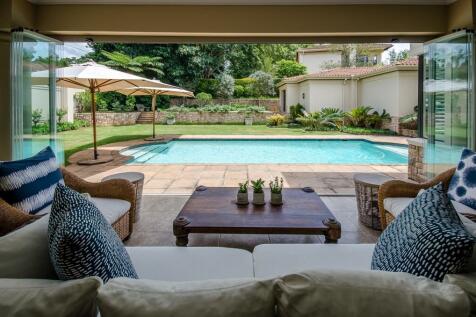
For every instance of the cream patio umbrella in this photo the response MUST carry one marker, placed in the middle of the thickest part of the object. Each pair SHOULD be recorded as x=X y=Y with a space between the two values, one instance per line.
x=96 y=78
x=154 y=92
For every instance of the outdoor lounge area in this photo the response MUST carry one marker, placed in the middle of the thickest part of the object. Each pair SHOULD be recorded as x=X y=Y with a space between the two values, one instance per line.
x=236 y=158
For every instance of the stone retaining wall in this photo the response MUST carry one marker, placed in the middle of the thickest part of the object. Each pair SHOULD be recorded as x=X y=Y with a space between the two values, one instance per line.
x=270 y=104
x=213 y=117
x=409 y=133
x=110 y=118
x=416 y=166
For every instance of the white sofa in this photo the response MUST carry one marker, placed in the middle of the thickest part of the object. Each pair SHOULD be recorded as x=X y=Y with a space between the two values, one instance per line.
x=266 y=261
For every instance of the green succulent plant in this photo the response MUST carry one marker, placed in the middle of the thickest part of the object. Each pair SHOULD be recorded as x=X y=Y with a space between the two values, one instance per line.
x=276 y=185
x=257 y=185
x=243 y=187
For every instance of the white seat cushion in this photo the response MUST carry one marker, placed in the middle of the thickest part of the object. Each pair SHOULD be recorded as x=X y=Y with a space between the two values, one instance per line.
x=272 y=260
x=112 y=209
x=190 y=264
x=395 y=205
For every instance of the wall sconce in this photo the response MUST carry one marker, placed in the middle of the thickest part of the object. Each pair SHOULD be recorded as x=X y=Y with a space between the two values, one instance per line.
x=303 y=95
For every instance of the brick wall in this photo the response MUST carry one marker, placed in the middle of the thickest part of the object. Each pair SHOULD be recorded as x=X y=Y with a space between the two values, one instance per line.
x=270 y=104
x=213 y=117
x=109 y=118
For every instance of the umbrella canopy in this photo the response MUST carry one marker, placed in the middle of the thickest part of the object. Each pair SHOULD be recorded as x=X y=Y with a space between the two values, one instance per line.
x=95 y=78
x=154 y=92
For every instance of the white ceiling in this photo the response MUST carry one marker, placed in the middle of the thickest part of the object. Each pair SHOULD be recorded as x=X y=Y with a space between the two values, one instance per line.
x=246 y=2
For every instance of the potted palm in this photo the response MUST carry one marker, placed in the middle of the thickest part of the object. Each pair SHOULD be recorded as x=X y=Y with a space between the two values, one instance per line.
x=242 y=196
x=258 y=193
x=248 y=118
x=170 y=117
x=276 y=187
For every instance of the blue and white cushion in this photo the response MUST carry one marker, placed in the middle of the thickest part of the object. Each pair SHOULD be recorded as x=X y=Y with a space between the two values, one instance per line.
x=29 y=184
x=462 y=186
x=81 y=241
x=426 y=239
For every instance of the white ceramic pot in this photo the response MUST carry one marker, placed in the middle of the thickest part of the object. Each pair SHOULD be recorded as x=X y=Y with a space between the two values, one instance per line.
x=171 y=121
x=248 y=121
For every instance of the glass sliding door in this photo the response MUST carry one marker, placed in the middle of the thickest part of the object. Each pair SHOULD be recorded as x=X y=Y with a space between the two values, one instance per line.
x=34 y=99
x=449 y=121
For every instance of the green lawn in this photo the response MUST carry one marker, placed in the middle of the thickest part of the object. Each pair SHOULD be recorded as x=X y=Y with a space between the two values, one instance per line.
x=78 y=140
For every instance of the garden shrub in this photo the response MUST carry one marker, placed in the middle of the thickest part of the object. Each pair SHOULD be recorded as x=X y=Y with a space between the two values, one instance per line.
x=217 y=108
x=44 y=128
x=276 y=120
x=203 y=96
x=263 y=85
x=208 y=86
x=60 y=113
x=295 y=111
x=409 y=121
x=226 y=86
x=239 y=91
x=36 y=117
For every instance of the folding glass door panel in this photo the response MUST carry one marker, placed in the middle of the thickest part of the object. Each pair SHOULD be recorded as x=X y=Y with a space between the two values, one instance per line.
x=34 y=97
x=449 y=122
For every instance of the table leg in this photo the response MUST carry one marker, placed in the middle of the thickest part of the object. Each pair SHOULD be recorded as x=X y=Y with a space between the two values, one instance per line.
x=180 y=232
x=333 y=231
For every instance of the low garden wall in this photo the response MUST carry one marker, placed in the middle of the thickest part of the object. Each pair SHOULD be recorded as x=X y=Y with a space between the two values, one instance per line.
x=270 y=104
x=213 y=117
x=109 y=118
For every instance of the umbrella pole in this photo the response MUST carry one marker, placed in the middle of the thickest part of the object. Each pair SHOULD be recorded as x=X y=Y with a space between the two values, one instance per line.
x=93 y=112
x=154 y=102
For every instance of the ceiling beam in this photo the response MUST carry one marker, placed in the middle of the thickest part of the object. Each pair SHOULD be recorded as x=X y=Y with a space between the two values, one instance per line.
x=146 y=23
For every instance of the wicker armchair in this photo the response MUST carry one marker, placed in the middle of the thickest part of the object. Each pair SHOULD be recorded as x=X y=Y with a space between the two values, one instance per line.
x=398 y=188
x=114 y=188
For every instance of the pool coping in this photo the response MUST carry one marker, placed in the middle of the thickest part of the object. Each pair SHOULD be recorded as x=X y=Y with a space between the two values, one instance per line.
x=114 y=149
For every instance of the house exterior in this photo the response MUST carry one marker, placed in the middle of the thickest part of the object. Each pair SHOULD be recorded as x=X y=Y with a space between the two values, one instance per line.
x=324 y=56
x=391 y=87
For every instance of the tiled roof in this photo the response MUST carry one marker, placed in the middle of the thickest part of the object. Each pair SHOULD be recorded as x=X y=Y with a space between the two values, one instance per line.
x=355 y=72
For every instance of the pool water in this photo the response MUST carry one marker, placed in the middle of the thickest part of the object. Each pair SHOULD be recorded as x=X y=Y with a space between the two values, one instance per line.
x=268 y=151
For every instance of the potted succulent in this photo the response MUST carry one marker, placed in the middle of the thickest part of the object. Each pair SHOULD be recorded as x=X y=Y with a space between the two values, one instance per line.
x=248 y=118
x=242 y=196
x=276 y=188
x=170 y=117
x=258 y=193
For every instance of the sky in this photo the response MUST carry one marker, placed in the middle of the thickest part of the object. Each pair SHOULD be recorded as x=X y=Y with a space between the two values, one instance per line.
x=80 y=49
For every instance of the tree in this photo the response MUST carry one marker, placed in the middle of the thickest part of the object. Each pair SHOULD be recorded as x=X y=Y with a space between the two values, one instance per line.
x=263 y=84
x=226 y=86
x=289 y=68
x=147 y=66
x=400 y=56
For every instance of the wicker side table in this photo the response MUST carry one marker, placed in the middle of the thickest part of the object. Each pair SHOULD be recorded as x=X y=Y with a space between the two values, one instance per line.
x=366 y=194
x=137 y=179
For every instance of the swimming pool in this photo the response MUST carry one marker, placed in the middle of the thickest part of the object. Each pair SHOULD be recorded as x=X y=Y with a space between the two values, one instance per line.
x=287 y=151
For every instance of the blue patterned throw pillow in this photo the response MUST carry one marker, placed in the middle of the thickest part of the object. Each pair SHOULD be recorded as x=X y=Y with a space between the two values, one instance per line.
x=81 y=241
x=29 y=184
x=462 y=186
x=426 y=239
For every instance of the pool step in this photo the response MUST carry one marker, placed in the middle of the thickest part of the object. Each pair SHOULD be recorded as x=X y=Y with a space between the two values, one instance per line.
x=145 y=117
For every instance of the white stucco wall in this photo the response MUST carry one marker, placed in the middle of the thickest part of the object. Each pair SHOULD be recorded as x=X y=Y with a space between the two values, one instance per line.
x=328 y=93
x=64 y=99
x=396 y=92
x=316 y=61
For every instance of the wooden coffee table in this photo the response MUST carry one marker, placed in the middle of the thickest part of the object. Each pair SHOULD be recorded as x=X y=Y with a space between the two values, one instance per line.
x=213 y=210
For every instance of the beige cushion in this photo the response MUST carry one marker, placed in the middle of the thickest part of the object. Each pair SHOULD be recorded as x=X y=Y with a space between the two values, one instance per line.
x=24 y=252
x=26 y=297
x=367 y=293
x=213 y=298
x=190 y=264
x=396 y=205
x=272 y=260
x=468 y=283
x=111 y=208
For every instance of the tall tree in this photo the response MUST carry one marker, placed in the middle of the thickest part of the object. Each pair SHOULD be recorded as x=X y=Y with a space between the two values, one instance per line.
x=147 y=66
